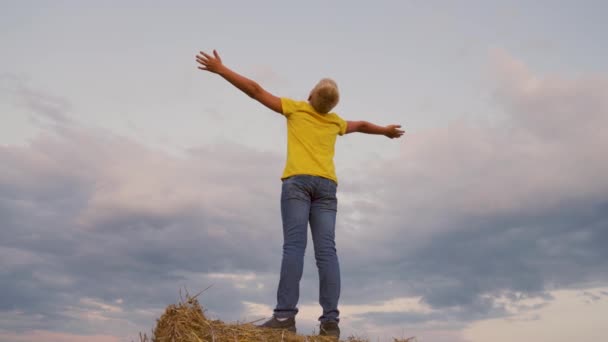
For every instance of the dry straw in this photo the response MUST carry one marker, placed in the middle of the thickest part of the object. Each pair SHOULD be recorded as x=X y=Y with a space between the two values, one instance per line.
x=186 y=322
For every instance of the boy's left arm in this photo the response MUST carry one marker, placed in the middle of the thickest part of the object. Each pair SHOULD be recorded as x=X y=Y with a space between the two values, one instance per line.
x=390 y=131
x=253 y=89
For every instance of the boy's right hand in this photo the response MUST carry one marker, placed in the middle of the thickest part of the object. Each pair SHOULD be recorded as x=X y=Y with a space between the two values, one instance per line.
x=210 y=63
x=393 y=131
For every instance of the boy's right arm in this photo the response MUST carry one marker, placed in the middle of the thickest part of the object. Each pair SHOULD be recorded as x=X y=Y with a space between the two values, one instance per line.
x=390 y=131
x=251 y=88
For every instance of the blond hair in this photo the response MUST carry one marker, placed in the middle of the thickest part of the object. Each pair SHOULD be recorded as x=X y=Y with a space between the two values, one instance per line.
x=324 y=96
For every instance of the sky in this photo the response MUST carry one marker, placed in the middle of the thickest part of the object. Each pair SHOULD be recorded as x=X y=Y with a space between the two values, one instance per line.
x=127 y=174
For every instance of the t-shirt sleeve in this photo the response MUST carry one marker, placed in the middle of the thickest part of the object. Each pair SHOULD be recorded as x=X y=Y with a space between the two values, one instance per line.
x=288 y=106
x=342 y=123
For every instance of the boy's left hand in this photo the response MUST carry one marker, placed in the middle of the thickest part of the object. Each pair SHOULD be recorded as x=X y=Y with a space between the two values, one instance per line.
x=393 y=131
x=210 y=63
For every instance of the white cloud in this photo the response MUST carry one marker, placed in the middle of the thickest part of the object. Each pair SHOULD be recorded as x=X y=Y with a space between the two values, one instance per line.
x=239 y=280
x=565 y=319
x=94 y=303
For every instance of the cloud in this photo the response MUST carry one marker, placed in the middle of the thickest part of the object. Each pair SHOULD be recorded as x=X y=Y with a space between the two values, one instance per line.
x=40 y=104
x=41 y=335
x=89 y=218
x=475 y=209
x=471 y=221
x=562 y=320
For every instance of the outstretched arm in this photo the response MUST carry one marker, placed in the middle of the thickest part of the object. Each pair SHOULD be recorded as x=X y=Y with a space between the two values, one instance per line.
x=390 y=131
x=214 y=64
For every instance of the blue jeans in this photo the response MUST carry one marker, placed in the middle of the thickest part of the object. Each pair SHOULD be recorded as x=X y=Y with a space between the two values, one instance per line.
x=309 y=199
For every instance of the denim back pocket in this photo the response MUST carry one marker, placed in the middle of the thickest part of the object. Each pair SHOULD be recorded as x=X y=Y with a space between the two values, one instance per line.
x=329 y=195
x=294 y=188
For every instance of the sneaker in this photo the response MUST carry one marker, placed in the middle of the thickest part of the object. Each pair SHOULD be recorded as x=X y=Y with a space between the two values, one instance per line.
x=330 y=328
x=273 y=323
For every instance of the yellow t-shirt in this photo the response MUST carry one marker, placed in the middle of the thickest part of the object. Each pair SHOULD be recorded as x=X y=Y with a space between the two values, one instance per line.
x=310 y=140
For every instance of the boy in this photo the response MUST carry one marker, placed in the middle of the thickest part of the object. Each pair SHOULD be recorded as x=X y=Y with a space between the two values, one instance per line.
x=308 y=191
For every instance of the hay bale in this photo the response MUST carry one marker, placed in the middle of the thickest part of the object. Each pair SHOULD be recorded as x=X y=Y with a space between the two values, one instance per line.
x=186 y=322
